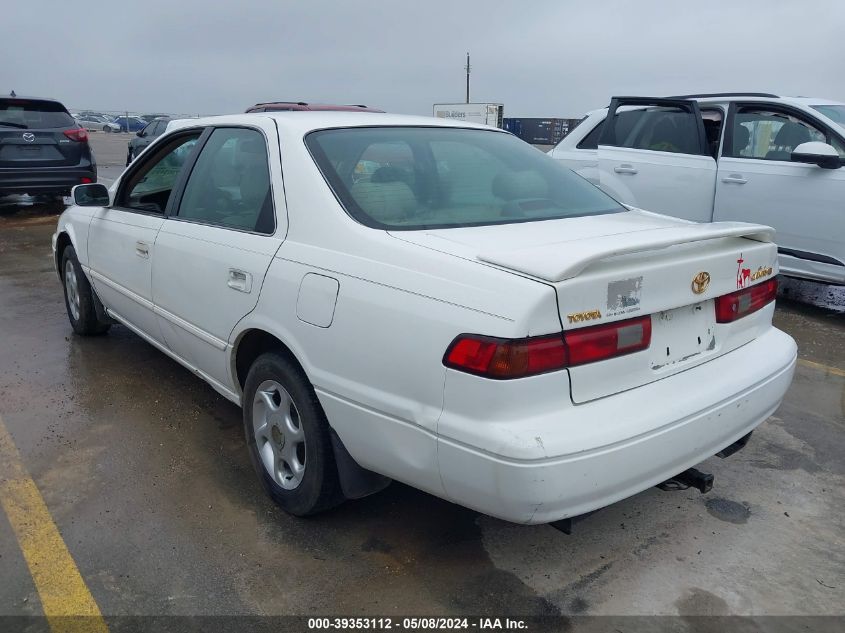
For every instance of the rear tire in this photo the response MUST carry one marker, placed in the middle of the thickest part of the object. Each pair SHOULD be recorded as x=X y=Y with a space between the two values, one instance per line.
x=288 y=437
x=79 y=297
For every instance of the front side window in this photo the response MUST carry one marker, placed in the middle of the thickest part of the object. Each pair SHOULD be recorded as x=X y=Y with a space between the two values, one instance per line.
x=770 y=135
x=149 y=188
x=229 y=185
x=408 y=178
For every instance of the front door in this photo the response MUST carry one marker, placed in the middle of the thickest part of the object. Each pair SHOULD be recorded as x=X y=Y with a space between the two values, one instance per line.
x=121 y=242
x=654 y=154
x=758 y=182
x=215 y=247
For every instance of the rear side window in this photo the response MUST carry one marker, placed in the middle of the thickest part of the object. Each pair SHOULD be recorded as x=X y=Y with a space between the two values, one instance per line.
x=229 y=185
x=32 y=113
x=407 y=178
x=663 y=129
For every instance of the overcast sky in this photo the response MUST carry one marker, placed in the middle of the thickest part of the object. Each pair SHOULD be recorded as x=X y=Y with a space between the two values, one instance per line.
x=540 y=58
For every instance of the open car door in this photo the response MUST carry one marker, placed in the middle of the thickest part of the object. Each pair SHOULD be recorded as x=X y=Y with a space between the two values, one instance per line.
x=653 y=154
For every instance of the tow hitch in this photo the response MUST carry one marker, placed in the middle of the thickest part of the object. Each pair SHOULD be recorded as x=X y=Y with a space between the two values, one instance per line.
x=691 y=478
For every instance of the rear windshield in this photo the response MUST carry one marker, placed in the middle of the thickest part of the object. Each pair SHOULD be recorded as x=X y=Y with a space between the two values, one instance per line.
x=31 y=113
x=435 y=177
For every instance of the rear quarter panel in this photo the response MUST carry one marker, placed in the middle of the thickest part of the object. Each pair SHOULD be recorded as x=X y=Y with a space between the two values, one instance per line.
x=377 y=368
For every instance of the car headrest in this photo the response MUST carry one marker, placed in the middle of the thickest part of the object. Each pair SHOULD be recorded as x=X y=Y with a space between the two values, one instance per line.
x=384 y=201
x=791 y=135
x=742 y=135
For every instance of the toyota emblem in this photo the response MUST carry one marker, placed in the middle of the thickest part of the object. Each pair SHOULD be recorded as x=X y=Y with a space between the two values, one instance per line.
x=700 y=282
x=29 y=137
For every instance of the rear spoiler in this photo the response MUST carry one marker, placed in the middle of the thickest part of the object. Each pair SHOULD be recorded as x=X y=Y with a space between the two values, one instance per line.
x=564 y=260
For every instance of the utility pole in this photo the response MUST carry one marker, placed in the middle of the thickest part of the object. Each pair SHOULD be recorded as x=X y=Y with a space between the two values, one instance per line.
x=468 y=68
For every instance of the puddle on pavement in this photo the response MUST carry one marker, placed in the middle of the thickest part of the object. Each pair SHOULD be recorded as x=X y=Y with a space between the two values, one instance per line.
x=816 y=294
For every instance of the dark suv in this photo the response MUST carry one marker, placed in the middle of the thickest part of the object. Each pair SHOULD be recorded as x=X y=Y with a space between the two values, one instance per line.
x=145 y=136
x=281 y=106
x=42 y=148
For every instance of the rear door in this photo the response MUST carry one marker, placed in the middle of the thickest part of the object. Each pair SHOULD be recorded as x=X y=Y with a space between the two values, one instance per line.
x=214 y=249
x=32 y=134
x=653 y=154
x=758 y=182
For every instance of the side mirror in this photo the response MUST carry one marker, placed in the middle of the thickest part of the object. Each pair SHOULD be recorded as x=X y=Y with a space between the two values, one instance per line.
x=140 y=133
x=816 y=153
x=92 y=195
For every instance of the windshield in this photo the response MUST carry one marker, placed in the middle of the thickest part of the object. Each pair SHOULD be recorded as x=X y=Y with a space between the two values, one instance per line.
x=406 y=178
x=31 y=113
x=833 y=112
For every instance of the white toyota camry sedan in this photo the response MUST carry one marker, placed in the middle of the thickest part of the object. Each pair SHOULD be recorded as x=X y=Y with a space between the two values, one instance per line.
x=392 y=297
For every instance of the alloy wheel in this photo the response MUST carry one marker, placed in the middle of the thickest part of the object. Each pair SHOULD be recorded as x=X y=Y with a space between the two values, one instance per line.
x=279 y=435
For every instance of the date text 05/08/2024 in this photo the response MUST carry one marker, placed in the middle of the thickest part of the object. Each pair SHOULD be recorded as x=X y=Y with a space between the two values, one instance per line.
x=416 y=624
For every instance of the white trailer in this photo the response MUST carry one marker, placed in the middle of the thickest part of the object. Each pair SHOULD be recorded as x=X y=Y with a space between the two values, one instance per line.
x=486 y=113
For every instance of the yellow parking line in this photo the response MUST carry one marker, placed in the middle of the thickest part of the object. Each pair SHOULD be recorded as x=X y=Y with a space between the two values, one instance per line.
x=831 y=370
x=60 y=586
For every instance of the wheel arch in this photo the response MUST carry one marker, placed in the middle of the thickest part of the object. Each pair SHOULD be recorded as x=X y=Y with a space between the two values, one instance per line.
x=355 y=481
x=63 y=240
x=249 y=345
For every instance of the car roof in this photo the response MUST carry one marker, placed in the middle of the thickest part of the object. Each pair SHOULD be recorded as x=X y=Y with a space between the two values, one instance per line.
x=29 y=98
x=319 y=107
x=729 y=97
x=308 y=121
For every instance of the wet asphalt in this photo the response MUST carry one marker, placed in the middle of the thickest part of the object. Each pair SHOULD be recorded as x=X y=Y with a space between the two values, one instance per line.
x=146 y=474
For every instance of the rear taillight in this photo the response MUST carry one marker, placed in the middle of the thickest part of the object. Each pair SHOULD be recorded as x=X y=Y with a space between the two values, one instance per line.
x=590 y=344
x=517 y=358
x=743 y=302
x=506 y=358
x=85 y=180
x=77 y=134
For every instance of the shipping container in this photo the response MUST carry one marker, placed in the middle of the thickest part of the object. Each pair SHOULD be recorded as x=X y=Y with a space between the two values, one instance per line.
x=540 y=131
x=485 y=113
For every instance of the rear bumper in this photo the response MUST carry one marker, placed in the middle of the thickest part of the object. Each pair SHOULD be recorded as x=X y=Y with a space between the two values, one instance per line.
x=690 y=416
x=44 y=179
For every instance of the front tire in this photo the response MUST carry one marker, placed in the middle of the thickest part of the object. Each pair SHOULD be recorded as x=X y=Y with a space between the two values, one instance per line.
x=106 y=129
x=79 y=297
x=288 y=437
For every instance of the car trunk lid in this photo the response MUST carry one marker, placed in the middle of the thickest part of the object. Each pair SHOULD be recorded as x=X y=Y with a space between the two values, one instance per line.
x=614 y=268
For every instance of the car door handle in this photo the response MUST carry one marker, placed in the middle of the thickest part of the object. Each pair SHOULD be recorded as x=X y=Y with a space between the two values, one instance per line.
x=239 y=280
x=142 y=249
x=625 y=169
x=737 y=179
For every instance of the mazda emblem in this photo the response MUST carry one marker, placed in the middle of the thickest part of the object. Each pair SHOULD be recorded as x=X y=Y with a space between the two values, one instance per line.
x=29 y=137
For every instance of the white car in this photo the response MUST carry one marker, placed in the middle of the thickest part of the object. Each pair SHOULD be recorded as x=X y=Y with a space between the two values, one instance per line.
x=469 y=318
x=754 y=157
x=96 y=122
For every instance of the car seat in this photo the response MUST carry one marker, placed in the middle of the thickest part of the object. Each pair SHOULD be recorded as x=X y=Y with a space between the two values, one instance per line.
x=790 y=136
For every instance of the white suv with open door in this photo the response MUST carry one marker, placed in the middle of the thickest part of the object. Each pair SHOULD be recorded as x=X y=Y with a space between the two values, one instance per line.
x=753 y=156
x=408 y=298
